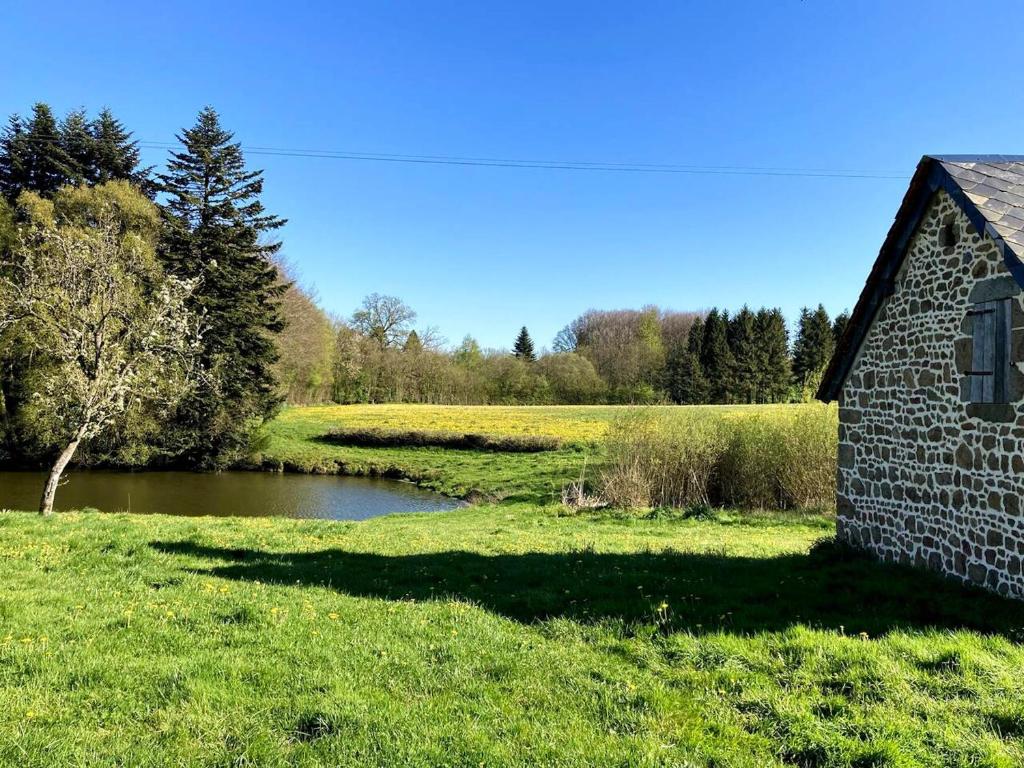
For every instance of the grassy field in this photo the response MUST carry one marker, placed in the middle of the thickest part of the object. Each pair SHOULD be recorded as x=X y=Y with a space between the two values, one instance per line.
x=292 y=442
x=508 y=635
x=512 y=633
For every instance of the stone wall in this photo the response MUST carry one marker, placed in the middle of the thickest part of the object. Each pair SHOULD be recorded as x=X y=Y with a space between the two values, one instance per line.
x=926 y=477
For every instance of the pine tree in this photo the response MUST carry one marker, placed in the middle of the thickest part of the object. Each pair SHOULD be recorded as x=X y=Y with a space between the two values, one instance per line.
x=686 y=382
x=814 y=344
x=716 y=358
x=523 y=348
x=78 y=143
x=743 y=344
x=412 y=343
x=33 y=157
x=115 y=154
x=774 y=374
x=839 y=325
x=215 y=225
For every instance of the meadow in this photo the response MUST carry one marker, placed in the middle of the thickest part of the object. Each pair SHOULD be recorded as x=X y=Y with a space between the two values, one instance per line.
x=510 y=632
x=767 y=456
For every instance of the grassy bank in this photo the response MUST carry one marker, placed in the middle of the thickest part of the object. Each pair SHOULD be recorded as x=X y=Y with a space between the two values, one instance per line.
x=508 y=635
x=738 y=442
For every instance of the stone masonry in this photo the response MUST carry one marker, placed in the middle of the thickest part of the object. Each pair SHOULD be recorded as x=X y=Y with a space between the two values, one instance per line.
x=927 y=477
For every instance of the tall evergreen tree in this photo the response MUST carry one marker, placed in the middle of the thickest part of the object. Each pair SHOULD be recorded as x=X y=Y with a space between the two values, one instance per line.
x=523 y=348
x=774 y=374
x=814 y=344
x=77 y=142
x=33 y=157
x=716 y=358
x=215 y=230
x=839 y=325
x=412 y=343
x=743 y=344
x=115 y=155
x=686 y=382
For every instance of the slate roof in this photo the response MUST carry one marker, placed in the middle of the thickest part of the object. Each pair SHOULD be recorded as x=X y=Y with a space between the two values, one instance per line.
x=989 y=189
x=995 y=184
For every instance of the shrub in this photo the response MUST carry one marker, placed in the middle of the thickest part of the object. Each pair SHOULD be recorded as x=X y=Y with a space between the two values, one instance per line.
x=398 y=438
x=780 y=457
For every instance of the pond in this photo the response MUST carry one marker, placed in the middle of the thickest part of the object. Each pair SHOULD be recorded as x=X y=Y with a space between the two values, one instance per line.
x=246 y=494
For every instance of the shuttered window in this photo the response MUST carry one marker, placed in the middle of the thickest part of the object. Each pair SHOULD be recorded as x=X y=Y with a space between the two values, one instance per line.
x=991 y=352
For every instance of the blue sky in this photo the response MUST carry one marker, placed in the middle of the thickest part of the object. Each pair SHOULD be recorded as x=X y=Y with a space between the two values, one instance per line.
x=864 y=86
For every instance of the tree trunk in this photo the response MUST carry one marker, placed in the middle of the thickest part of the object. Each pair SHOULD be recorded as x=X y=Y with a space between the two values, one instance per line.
x=50 y=489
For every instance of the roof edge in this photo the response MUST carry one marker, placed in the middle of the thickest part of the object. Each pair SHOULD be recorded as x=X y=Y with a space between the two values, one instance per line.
x=929 y=177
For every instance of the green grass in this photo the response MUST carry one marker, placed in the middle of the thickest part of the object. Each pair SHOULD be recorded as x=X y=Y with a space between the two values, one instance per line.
x=293 y=442
x=498 y=635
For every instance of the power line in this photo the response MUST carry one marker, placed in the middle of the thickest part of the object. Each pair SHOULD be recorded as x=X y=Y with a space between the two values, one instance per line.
x=561 y=165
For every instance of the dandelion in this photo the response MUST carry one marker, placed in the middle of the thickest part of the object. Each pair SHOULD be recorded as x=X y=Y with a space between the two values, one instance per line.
x=332 y=615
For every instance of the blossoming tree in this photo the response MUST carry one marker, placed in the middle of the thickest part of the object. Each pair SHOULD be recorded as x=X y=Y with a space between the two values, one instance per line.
x=84 y=293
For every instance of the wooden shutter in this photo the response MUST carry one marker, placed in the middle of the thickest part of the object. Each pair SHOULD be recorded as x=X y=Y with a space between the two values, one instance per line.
x=982 y=374
x=1000 y=350
x=991 y=353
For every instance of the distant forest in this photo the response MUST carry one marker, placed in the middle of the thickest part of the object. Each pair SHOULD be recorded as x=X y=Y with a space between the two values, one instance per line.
x=266 y=341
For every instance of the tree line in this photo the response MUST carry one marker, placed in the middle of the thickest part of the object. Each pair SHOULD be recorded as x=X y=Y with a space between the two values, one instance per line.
x=650 y=355
x=261 y=339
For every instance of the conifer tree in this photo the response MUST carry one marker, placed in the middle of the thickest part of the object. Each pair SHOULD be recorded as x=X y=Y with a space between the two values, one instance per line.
x=215 y=227
x=774 y=375
x=743 y=344
x=716 y=358
x=33 y=157
x=77 y=142
x=814 y=344
x=523 y=348
x=839 y=325
x=412 y=342
x=115 y=155
x=686 y=382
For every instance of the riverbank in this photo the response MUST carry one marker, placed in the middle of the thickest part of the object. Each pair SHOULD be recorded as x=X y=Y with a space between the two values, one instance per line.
x=495 y=635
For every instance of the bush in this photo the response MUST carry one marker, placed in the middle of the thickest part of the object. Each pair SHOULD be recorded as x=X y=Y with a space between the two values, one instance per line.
x=399 y=438
x=779 y=457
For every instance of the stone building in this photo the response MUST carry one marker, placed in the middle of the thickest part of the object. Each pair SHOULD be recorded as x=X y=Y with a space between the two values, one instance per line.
x=929 y=380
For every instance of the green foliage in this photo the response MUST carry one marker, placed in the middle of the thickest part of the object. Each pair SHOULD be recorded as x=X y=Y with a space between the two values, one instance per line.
x=305 y=366
x=523 y=348
x=716 y=359
x=33 y=157
x=413 y=344
x=570 y=379
x=839 y=325
x=215 y=232
x=767 y=458
x=746 y=352
x=774 y=373
x=815 y=343
x=40 y=156
x=101 y=332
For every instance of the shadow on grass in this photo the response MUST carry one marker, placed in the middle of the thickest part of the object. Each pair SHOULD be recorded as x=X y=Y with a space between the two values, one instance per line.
x=832 y=587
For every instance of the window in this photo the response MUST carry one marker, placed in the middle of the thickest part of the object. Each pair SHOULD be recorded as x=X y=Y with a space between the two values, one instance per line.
x=948 y=234
x=991 y=351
